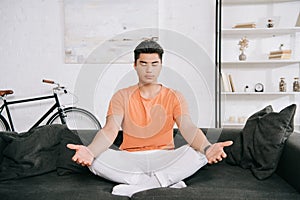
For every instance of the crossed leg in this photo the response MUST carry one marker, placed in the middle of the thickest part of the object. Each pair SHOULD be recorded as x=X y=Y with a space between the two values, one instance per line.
x=138 y=171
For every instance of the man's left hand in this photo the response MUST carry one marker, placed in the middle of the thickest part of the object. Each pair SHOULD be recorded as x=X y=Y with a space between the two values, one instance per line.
x=215 y=153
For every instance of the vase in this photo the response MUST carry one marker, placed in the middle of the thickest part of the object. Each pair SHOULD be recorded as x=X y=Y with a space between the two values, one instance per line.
x=242 y=56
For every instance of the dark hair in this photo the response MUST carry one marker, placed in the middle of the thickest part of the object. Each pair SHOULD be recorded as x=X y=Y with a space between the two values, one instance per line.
x=148 y=46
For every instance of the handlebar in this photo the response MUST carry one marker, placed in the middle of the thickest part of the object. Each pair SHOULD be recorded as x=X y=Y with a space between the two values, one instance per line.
x=58 y=85
x=48 y=81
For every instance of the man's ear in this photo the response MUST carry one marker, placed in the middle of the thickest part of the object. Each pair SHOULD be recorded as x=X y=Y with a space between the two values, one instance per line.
x=134 y=65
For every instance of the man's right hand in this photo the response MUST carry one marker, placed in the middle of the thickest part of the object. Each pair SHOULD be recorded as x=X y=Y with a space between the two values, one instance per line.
x=83 y=155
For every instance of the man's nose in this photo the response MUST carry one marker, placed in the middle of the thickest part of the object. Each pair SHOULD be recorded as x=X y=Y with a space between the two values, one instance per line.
x=149 y=68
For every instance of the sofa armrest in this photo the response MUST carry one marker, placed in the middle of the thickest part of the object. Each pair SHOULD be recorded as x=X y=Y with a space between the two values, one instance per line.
x=289 y=164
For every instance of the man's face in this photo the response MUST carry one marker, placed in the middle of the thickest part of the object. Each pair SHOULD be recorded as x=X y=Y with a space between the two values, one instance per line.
x=148 y=68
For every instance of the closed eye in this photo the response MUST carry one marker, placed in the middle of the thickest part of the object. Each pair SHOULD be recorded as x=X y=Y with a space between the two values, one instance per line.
x=143 y=63
x=155 y=64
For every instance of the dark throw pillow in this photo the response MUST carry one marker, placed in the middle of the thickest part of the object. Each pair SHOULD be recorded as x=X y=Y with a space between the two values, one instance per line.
x=260 y=144
x=30 y=153
x=38 y=151
x=65 y=165
x=5 y=138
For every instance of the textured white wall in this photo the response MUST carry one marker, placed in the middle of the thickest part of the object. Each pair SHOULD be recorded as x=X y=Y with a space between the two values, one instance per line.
x=32 y=48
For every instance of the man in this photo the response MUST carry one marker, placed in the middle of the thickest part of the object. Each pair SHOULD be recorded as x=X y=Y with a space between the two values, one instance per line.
x=147 y=112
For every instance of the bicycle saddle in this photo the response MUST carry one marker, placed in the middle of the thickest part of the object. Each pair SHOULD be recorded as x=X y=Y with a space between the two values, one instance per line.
x=4 y=92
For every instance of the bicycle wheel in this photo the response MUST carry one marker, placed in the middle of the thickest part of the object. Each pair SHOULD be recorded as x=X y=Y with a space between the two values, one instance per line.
x=77 y=119
x=3 y=124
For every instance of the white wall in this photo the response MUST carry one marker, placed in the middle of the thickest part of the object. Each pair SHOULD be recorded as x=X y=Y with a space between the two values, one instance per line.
x=32 y=48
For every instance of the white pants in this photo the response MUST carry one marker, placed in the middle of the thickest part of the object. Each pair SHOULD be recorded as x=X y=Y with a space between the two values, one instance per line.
x=169 y=166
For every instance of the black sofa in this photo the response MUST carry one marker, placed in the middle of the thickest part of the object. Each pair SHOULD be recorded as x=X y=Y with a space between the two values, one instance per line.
x=218 y=181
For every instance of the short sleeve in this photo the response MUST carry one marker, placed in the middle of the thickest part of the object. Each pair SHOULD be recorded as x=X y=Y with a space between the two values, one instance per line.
x=180 y=105
x=116 y=105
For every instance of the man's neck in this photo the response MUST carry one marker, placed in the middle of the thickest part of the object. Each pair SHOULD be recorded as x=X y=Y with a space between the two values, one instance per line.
x=149 y=91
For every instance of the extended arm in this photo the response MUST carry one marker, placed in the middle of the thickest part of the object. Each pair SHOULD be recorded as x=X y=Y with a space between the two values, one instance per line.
x=101 y=142
x=196 y=138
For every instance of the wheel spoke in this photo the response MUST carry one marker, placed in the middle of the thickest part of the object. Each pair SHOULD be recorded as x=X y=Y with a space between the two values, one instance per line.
x=78 y=119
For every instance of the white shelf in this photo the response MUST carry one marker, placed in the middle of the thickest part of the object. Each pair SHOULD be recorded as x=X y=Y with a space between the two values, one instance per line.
x=259 y=31
x=261 y=62
x=232 y=2
x=241 y=125
x=232 y=125
x=261 y=93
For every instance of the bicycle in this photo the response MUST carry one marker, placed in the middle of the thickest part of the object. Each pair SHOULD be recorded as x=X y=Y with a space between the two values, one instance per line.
x=73 y=117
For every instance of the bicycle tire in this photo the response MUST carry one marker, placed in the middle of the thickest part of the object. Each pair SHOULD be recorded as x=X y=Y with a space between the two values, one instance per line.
x=77 y=119
x=4 y=124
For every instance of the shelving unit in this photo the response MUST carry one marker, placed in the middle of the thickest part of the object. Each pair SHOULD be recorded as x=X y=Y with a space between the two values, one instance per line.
x=254 y=1
x=257 y=62
x=261 y=93
x=257 y=68
x=239 y=125
x=260 y=31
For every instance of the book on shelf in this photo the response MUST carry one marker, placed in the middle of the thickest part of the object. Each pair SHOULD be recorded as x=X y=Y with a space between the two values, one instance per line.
x=280 y=54
x=298 y=21
x=285 y=51
x=231 y=83
x=227 y=80
x=245 y=25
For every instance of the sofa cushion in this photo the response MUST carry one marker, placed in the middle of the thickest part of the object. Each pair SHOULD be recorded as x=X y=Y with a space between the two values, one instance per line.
x=260 y=144
x=29 y=153
x=38 y=151
x=224 y=181
x=5 y=139
x=64 y=164
x=212 y=182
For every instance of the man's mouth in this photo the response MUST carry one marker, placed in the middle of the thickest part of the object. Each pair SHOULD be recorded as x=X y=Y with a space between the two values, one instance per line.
x=149 y=76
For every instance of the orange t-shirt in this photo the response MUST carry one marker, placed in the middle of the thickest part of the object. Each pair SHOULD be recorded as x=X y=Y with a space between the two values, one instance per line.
x=147 y=123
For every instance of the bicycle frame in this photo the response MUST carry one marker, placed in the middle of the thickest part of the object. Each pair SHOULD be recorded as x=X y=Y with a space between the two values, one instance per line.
x=56 y=105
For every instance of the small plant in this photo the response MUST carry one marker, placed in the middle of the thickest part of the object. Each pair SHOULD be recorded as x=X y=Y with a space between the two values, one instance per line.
x=243 y=43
